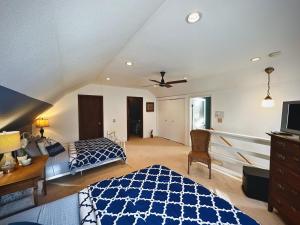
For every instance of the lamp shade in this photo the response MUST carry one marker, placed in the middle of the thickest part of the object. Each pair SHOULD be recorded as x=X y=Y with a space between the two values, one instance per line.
x=41 y=122
x=9 y=141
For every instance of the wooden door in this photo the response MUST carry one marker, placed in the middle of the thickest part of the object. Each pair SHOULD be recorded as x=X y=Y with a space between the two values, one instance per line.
x=90 y=113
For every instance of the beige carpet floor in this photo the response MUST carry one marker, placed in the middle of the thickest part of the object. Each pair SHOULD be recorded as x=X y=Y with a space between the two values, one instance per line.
x=145 y=152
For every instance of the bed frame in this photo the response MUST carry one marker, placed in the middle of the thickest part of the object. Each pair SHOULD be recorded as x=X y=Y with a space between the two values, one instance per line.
x=109 y=135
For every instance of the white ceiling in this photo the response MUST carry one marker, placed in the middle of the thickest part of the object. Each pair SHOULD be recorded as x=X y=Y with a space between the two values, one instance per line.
x=48 y=48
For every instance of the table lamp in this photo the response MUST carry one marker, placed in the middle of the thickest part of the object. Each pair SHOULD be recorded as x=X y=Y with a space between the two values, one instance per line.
x=9 y=142
x=41 y=123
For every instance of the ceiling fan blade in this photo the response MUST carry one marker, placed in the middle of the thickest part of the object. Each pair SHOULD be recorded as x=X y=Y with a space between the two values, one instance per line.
x=168 y=85
x=155 y=81
x=151 y=85
x=176 y=81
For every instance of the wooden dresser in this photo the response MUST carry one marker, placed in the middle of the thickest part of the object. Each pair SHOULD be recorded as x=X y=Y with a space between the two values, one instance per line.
x=284 y=185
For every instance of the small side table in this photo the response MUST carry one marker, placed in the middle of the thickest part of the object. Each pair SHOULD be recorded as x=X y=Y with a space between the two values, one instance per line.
x=24 y=177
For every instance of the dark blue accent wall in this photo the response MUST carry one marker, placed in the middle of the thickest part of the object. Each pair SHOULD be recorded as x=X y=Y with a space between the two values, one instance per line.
x=17 y=110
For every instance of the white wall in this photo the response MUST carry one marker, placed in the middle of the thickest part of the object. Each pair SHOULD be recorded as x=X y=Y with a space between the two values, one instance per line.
x=242 y=108
x=63 y=116
x=243 y=112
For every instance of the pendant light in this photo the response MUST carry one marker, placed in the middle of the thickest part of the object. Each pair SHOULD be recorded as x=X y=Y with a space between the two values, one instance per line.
x=268 y=102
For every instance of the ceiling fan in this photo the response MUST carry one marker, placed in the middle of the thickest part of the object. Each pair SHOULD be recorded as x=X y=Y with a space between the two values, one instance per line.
x=162 y=83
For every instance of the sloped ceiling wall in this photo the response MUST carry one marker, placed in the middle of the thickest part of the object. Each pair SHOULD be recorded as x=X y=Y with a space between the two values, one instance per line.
x=49 y=47
x=18 y=110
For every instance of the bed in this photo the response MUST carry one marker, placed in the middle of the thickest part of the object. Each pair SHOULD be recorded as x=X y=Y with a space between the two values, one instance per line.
x=83 y=155
x=150 y=196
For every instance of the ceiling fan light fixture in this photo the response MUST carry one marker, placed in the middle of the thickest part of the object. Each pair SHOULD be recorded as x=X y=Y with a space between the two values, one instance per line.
x=107 y=78
x=128 y=63
x=255 y=59
x=193 y=17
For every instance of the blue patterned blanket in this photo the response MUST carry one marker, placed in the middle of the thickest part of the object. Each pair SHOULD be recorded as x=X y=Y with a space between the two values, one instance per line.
x=153 y=196
x=93 y=152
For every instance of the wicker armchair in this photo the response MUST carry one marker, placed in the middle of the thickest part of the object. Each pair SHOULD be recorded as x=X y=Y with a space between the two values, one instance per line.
x=200 y=145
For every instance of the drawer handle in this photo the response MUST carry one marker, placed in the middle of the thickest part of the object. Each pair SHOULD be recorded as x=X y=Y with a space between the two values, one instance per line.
x=280 y=156
x=280 y=143
x=280 y=171
x=295 y=193
x=279 y=202
x=294 y=209
x=280 y=187
x=296 y=159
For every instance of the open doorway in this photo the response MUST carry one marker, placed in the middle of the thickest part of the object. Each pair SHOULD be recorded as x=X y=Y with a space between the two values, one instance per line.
x=134 y=117
x=200 y=113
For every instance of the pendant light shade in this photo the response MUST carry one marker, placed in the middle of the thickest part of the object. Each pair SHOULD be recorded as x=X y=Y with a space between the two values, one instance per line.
x=268 y=102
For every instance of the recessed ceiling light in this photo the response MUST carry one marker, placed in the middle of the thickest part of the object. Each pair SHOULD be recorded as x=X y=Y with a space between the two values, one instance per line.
x=128 y=63
x=193 y=17
x=255 y=59
x=107 y=78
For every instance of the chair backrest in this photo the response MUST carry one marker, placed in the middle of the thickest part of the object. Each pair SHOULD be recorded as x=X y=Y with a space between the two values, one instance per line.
x=200 y=140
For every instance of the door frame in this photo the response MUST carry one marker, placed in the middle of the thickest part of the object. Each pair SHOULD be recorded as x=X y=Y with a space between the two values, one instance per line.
x=101 y=116
x=142 y=115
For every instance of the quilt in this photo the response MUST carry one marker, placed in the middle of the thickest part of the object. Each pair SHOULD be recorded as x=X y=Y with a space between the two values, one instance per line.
x=94 y=151
x=153 y=196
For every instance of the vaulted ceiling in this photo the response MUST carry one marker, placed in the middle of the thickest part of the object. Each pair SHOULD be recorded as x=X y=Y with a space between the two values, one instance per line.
x=49 y=47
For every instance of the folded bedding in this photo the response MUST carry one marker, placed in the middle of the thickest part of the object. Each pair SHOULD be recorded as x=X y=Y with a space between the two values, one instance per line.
x=155 y=195
x=86 y=153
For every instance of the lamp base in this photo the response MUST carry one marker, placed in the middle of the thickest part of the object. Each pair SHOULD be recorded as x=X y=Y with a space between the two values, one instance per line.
x=7 y=163
x=42 y=132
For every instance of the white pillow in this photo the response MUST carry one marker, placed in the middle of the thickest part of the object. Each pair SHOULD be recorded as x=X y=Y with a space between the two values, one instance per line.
x=42 y=146
x=45 y=143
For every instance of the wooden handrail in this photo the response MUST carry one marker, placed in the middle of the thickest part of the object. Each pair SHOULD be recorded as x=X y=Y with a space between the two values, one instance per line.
x=257 y=140
x=230 y=145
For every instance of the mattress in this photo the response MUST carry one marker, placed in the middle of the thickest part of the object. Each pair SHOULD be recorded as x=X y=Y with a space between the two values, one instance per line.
x=65 y=163
x=61 y=212
x=86 y=153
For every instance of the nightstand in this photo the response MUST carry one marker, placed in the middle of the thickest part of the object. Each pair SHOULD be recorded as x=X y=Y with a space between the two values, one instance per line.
x=24 y=177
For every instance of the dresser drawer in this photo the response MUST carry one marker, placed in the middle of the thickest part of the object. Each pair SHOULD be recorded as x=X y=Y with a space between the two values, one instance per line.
x=289 y=157
x=293 y=180
x=286 y=209
x=293 y=155
x=278 y=143
x=278 y=170
x=280 y=156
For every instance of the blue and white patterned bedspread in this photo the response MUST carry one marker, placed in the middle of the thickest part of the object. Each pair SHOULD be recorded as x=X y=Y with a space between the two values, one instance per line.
x=155 y=195
x=94 y=151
